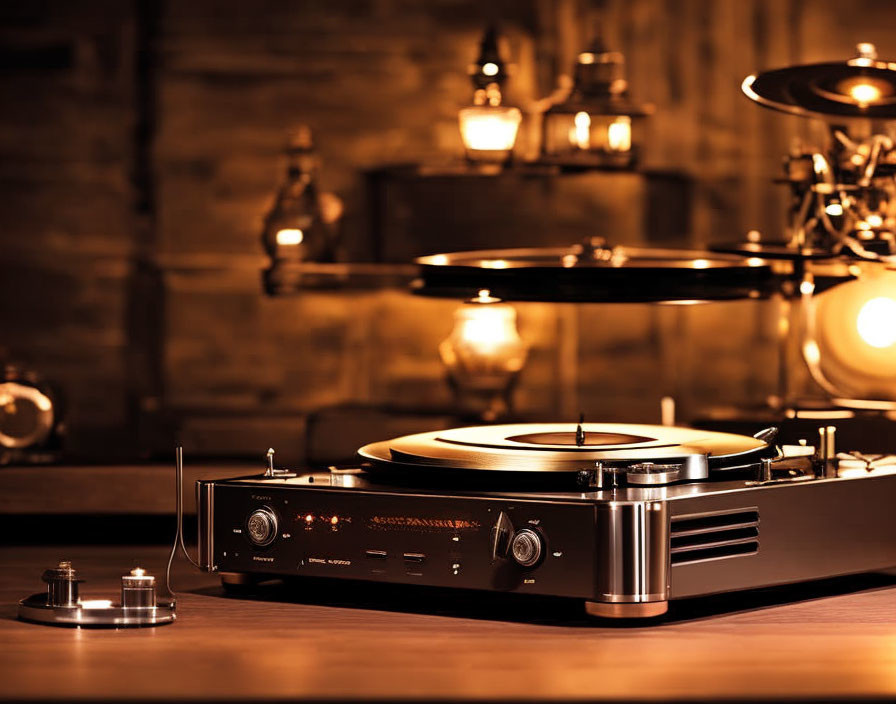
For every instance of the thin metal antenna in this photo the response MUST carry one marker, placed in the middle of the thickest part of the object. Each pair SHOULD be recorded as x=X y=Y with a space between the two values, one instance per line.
x=179 y=510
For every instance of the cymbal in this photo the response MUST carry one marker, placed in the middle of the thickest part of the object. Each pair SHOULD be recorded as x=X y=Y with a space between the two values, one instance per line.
x=554 y=447
x=862 y=87
x=620 y=274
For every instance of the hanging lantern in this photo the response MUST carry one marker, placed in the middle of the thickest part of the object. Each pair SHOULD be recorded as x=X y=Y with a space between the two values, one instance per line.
x=596 y=126
x=489 y=127
x=298 y=229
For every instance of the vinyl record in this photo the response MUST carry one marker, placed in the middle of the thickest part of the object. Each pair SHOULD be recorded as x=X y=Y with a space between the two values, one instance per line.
x=554 y=447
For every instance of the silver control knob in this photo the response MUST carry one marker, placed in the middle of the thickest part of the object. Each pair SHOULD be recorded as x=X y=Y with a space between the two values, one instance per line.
x=526 y=547
x=262 y=526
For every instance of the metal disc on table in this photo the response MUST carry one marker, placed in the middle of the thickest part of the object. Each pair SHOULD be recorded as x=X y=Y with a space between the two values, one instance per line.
x=558 y=447
x=596 y=274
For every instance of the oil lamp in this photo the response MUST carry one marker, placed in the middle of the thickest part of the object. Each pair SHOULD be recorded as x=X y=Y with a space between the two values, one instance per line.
x=484 y=355
x=593 y=127
x=488 y=127
x=298 y=228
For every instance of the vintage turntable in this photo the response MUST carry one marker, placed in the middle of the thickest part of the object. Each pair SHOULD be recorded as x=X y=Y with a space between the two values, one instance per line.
x=623 y=517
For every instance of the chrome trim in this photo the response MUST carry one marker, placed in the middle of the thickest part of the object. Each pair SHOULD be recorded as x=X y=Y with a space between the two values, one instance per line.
x=750 y=540
x=633 y=552
x=205 y=514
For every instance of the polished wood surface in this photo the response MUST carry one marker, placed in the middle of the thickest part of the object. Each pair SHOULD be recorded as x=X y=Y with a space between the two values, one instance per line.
x=349 y=640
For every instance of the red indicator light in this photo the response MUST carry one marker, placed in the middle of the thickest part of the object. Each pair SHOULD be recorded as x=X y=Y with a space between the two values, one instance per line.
x=334 y=520
x=309 y=518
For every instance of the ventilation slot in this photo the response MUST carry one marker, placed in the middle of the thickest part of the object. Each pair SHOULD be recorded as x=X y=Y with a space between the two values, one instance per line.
x=714 y=536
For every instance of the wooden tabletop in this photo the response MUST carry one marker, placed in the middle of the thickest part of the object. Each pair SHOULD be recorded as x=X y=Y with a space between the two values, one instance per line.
x=349 y=640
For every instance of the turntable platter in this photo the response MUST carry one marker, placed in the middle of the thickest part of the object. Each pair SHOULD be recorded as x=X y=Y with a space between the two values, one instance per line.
x=599 y=274
x=553 y=447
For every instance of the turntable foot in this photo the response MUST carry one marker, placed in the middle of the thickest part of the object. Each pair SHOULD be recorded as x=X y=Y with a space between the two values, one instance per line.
x=237 y=582
x=646 y=609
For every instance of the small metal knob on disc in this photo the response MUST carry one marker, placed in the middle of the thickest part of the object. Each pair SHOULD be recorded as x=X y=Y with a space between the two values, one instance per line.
x=138 y=589
x=62 y=584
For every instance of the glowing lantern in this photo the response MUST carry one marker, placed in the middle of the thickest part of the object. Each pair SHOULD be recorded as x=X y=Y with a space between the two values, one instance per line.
x=488 y=127
x=594 y=126
x=484 y=355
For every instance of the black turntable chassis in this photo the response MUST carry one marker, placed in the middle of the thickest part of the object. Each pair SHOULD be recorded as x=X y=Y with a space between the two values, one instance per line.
x=625 y=552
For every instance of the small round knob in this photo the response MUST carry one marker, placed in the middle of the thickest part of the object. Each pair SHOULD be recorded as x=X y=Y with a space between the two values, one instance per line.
x=138 y=589
x=262 y=526
x=62 y=584
x=527 y=547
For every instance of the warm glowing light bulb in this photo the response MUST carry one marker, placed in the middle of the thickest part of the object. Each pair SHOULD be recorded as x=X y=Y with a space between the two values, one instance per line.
x=581 y=133
x=619 y=134
x=489 y=128
x=484 y=354
x=490 y=69
x=820 y=165
x=487 y=327
x=487 y=331
x=290 y=236
x=876 y=322
x=835 y=209
x=864 y=93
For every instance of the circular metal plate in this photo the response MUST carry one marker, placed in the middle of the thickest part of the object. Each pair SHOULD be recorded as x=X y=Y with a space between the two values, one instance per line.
x=528 y=447
x=97 y=613
x=828 y=89
x=623 y=275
